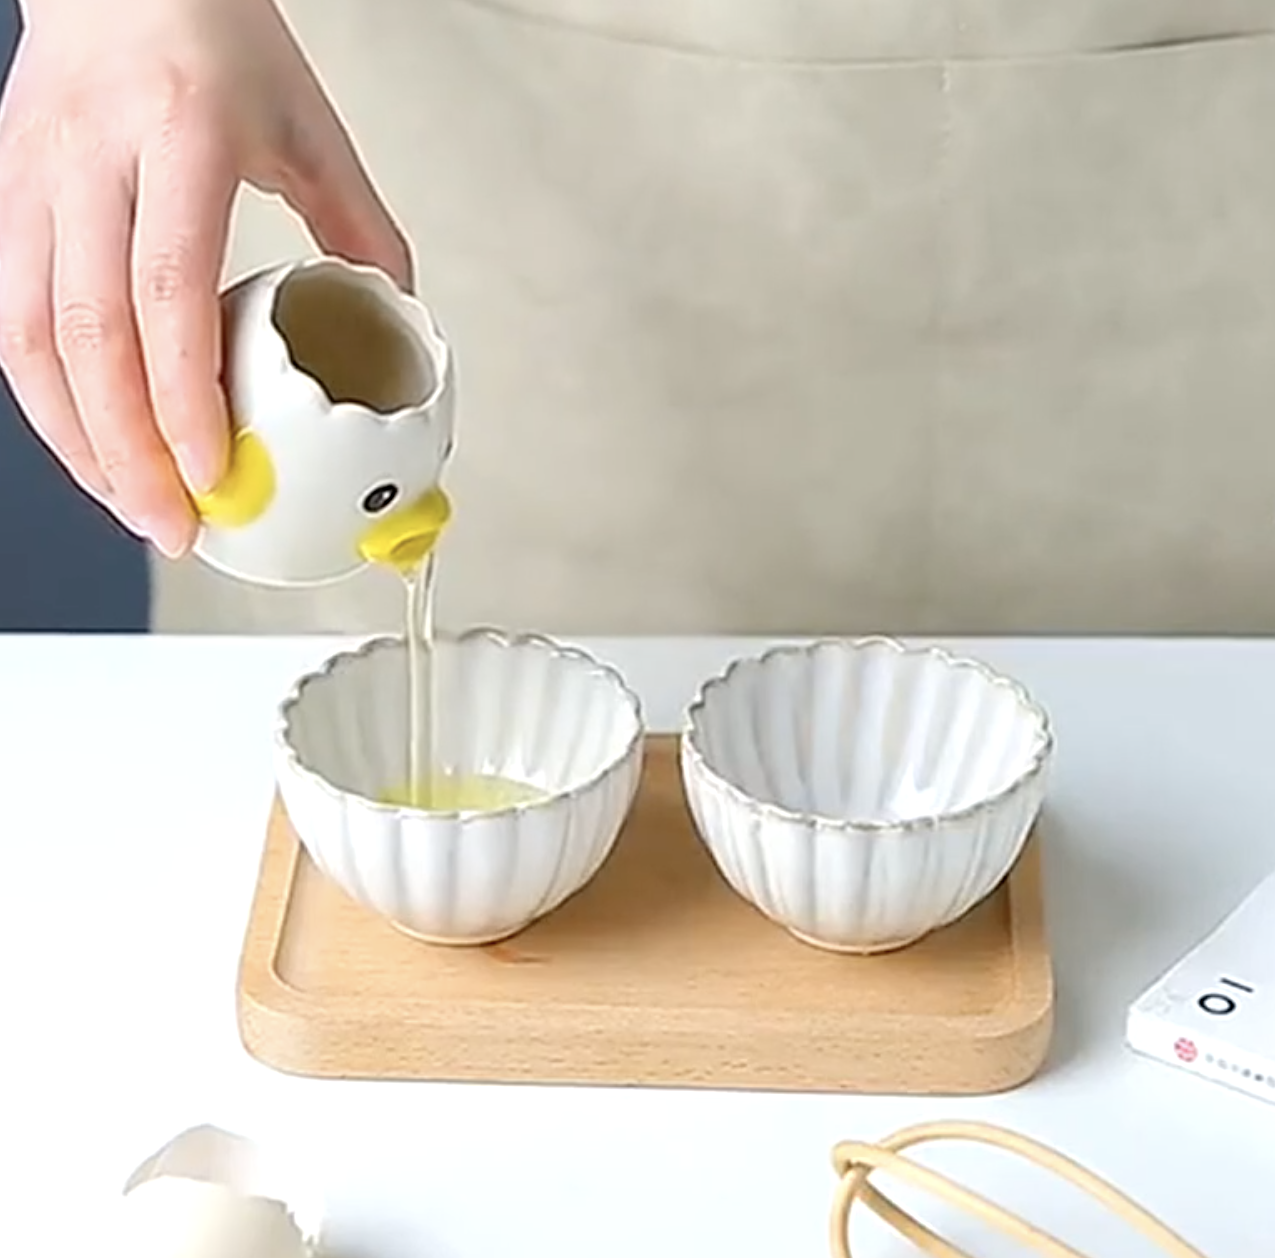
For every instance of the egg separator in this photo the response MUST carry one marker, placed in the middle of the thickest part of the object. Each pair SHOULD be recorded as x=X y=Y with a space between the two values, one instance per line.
x=340 y=389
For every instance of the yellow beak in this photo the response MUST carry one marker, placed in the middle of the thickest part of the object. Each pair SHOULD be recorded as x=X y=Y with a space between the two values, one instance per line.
x=404 y=537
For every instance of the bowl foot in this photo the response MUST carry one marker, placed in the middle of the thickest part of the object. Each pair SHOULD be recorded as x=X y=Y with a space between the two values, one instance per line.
x=450 y=941
x=852 y=950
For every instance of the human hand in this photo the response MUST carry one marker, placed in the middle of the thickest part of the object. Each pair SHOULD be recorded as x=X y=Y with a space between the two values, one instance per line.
x=125 y=133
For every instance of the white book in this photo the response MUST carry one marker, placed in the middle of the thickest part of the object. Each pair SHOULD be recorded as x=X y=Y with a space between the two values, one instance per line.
x=1213 y=1013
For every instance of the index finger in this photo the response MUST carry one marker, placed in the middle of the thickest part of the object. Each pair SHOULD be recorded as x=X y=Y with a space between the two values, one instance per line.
x=186 y=190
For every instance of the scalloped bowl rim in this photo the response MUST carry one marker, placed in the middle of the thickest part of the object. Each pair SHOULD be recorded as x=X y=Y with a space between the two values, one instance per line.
x=505 y=639
x=1036 y=764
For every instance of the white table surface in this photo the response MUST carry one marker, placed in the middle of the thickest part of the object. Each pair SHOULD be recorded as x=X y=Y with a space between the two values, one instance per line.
x=137 y=777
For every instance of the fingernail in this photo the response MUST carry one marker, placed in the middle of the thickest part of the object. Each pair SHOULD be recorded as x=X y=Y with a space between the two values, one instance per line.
x=168 y=537
x=202 y=468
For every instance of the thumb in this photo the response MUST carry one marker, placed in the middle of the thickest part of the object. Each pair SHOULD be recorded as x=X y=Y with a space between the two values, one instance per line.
x=323 y=179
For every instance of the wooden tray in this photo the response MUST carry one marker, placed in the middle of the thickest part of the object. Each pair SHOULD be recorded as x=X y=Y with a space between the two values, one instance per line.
x=656 y=973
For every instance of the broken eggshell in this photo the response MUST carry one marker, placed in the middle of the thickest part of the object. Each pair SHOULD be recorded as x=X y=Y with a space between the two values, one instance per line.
x=211 y=1194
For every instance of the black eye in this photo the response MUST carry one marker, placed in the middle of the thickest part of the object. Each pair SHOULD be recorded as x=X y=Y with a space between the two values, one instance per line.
x=379 y=497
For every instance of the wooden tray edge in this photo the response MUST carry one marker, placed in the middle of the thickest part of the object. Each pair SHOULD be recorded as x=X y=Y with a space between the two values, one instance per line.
x=270 y=1013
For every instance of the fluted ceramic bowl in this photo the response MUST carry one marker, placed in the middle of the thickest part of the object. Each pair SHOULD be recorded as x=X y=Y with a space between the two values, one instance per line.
x=517 y=706
x=863 y=794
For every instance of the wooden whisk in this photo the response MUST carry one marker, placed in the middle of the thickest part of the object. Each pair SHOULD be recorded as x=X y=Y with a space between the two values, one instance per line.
x=855 y=1162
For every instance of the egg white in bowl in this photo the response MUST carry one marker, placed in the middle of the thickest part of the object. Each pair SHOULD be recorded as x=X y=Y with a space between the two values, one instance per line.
x=519 y=707
x=862 y=793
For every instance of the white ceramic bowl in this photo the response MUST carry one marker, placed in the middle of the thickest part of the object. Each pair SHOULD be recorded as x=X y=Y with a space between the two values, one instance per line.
x=862 y=793
x=518 y=706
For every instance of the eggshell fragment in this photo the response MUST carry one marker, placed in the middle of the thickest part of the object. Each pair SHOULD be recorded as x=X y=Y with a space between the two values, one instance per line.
x=211 y=1194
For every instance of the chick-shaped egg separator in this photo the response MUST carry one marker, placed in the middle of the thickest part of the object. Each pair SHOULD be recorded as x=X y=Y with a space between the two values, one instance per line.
x=341 y=393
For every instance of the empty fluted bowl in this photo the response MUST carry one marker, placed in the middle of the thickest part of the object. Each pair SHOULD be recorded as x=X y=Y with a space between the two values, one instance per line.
x=863 y=794
x=560 y=725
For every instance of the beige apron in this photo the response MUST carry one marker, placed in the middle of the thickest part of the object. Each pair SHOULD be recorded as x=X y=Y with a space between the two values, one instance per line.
x=824 y=315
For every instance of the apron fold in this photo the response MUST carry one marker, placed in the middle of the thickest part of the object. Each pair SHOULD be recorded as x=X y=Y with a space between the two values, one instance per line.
x=774 y=31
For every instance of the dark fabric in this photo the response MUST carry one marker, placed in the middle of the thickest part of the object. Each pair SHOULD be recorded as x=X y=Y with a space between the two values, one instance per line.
x=64 y=565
